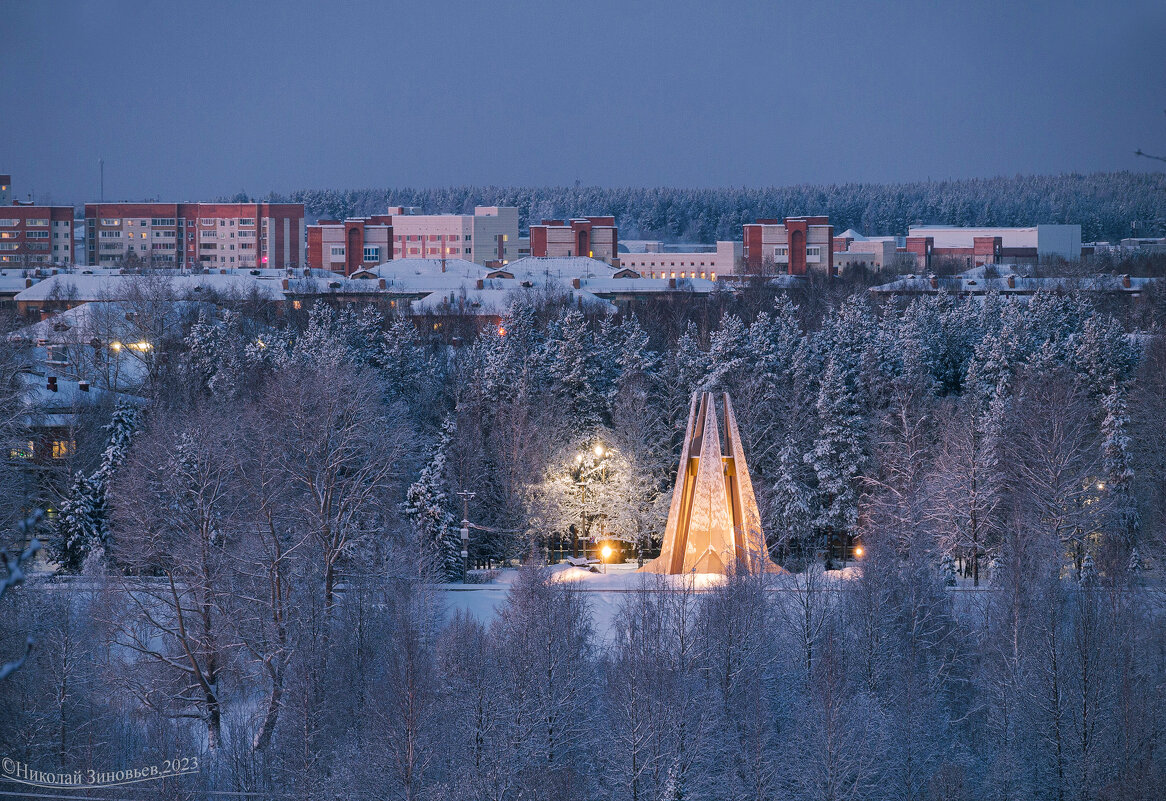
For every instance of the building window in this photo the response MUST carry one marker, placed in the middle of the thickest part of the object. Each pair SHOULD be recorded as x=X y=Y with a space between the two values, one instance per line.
x=37 y=221
x=110 y=221
x=372 y=254
x=338 y=250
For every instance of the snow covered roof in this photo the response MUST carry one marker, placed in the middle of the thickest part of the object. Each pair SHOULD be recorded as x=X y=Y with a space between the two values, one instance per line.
x=51 y=408
x=567 y=267
x=608 y=286
x=87 y=288
x=850 y=233
x=494 y=300
x=1020 y=285
x=101 y=319
x=403 y=268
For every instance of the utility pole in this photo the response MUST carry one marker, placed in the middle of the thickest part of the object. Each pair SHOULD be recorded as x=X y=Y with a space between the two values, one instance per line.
x=101 y=166
x=465 y=532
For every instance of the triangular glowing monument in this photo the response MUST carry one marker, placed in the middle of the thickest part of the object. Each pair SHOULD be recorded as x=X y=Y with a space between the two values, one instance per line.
x=713 y=523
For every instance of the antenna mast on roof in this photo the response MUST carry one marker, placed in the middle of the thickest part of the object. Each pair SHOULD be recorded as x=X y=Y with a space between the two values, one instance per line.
x=101 y=167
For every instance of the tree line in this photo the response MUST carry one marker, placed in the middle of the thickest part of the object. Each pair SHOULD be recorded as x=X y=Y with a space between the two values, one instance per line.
x=1107 y=206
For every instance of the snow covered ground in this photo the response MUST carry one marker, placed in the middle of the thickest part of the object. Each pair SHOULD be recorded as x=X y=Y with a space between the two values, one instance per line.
x=606 y=591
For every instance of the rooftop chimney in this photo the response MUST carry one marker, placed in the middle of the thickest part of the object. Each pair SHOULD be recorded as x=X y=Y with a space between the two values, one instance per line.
x=381 y=283
x=934 y=282
x=1125 y=281
x=52 y=386
x=1012 y=282
x=575 y=283
x=83 y=386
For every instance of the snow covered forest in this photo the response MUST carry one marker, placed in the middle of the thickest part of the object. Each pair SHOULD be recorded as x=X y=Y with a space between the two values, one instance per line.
x=255 y=561
x=1104 y=204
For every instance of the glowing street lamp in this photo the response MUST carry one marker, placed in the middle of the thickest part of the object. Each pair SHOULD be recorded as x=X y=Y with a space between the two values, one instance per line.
x=606 y=553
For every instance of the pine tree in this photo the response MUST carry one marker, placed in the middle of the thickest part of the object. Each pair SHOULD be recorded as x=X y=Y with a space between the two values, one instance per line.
x=728 y=356
x=1119 y=475
x=1088 y=572
x=792 y=501
x=947 y=571
x=83 y=524
x=573 y=371
x=838 y=457
x=79 y=524
x=427 y=507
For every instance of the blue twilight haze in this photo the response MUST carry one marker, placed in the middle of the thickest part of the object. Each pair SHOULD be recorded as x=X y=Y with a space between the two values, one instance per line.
x=197 y=100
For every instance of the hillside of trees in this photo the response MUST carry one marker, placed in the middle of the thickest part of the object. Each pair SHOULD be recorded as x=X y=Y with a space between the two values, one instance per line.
x=1106 y=205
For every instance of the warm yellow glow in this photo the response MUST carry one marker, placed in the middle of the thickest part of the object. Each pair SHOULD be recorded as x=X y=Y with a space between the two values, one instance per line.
x=115 y=345
x=501 y=331
x=591 y=254
x=858 y=551
x=579 y=458
x=261 y=343
x=606 y=551
x=1101 y=485
x=142 y=346
x=599 y=451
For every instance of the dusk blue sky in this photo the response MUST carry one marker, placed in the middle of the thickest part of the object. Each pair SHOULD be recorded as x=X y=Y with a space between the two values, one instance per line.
x=188 y=101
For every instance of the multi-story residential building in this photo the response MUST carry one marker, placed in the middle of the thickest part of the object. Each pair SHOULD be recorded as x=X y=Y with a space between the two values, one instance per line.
x=593 y=237
x=724 y=262
x=5 y=190
x=193 y=235
x=31 y=235
x=488 y=236
x=974 y=247
x=793 y=245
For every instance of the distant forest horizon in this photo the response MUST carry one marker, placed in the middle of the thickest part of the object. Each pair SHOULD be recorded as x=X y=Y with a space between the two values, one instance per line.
x=1108 y=205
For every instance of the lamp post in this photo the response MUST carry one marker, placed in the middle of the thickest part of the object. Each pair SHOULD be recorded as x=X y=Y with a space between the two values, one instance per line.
x=465 y=532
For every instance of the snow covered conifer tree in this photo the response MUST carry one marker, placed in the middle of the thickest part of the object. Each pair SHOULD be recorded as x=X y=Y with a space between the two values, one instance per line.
x=83 y=524
x=947 y=570
x=427 y=507
x=793 y=511
x=838 y=457
x=573 y=372
x=1119 y=475
x=1088 y=572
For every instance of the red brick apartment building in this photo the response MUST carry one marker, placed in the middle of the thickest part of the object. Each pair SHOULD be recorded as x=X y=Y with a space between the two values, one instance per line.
x=192 y=235
x=31 y=235
x=793 y=245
